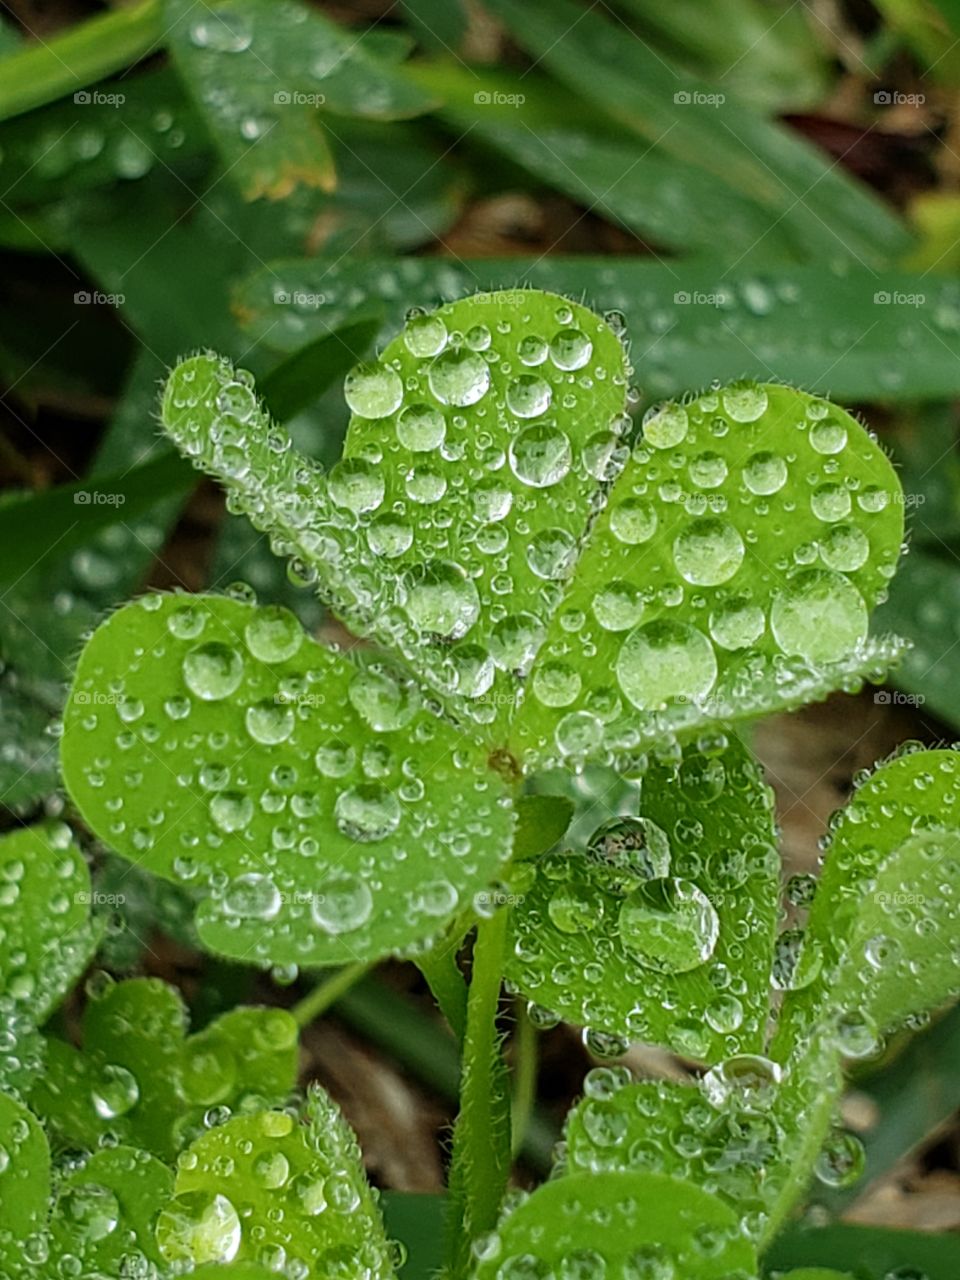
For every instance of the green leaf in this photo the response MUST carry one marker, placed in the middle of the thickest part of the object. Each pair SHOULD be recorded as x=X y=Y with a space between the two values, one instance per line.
x=24 y=1181
x=740 y=149
x=264 y=71
x=924 y=606
x=767 y=54
x=104 y=1212
x=541 y=823
x=115 y=133
x=873 y=1253
x=42 y=71
x=35 y=525
x=301 y=1190
x=442 y=23
x=586 y=156
x=626 y=1220
x=329 y=813
x=820 y=327
x=46 y=936
x=140 y=1082
x=730 y=574
x=468 y=549
x=817 y=1273
x=884 y=922
x=640 y=936
x=270 y=141
x=93 y=576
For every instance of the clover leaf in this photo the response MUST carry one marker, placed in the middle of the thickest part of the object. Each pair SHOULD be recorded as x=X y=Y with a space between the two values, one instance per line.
x=663 y=930
x=263 y=1187
x=46 y=934
x=325 y=809
x=621 y=1224
x=138 y=1081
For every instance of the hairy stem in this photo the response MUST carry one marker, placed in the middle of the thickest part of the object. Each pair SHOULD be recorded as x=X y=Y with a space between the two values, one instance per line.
x=525 y=1066
x=481 y=1141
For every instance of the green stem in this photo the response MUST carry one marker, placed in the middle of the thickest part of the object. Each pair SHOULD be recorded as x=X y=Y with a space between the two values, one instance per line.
x=481 y=1141
x=526 y=1055
x=40 y=73
x=326 y=993
x=442 y=973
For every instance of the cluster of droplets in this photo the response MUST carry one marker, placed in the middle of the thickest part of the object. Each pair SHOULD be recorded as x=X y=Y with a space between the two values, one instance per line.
x=469 y=466
x=267 y=1190
x=296 y=775
x=731 y=572
x=645 y=904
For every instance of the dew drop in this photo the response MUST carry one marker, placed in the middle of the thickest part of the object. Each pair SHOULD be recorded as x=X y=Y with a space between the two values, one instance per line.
x=442 y=600
x=819 y=616
x=367 y=813
x=343 y=903
x=540 y=456
x=421 y=428
x=708 y=551
x=373 y=390
x=213 y=671
x=663 y=661
x=669 y=925
x=459 y=377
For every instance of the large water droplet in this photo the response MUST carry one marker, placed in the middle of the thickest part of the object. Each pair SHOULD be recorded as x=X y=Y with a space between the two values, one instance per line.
x=273 y=634
x=669 y=925
x=708 y=551
x=745 y=401
x=373 y=390
x=213 y=671
x=540 y=456
x=421 y=427
x=819 y=616
x=442 y=600
x=115 y=1092
x=459 y=377
x=666 y=427
x=367 y=812
x=529 y=396
x=663 y=661
x=343 y=903
x=198 y=1227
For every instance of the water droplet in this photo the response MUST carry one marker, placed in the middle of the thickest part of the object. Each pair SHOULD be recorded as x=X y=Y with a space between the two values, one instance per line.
x=540 y=456
x=662 y=661
x=356 y=485
x=115 y=1092
x=269 y=721
x=529 y=396
x=666 y=426
x=737 y=623
x=421 y=427
x=388 y=536
x=744 y=401
x=633 y=847
x=570 y=349
x=91 y=1210
x=373 y=390
x=273 y=634
x=459 y=377
x=252 y=897
x=765 y=473
x=551 y=553
x=425 y=336
x=830 y=502
x=515 y=640
x=842 y=1159
x=633 y=521
x=231 y=810
x=367 y=812
x=344 y=903
x=845 y=548
x=669 y=925
x=829 y=435
x=746 y=1082
x=442 y=600
x=198 y=1227
x=213 y=671
x=819 y=616
x=708 y=551
x=384 y=698
x=223 y=31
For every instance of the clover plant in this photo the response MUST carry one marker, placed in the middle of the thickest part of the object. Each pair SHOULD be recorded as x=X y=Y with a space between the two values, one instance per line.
x=532 y=587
